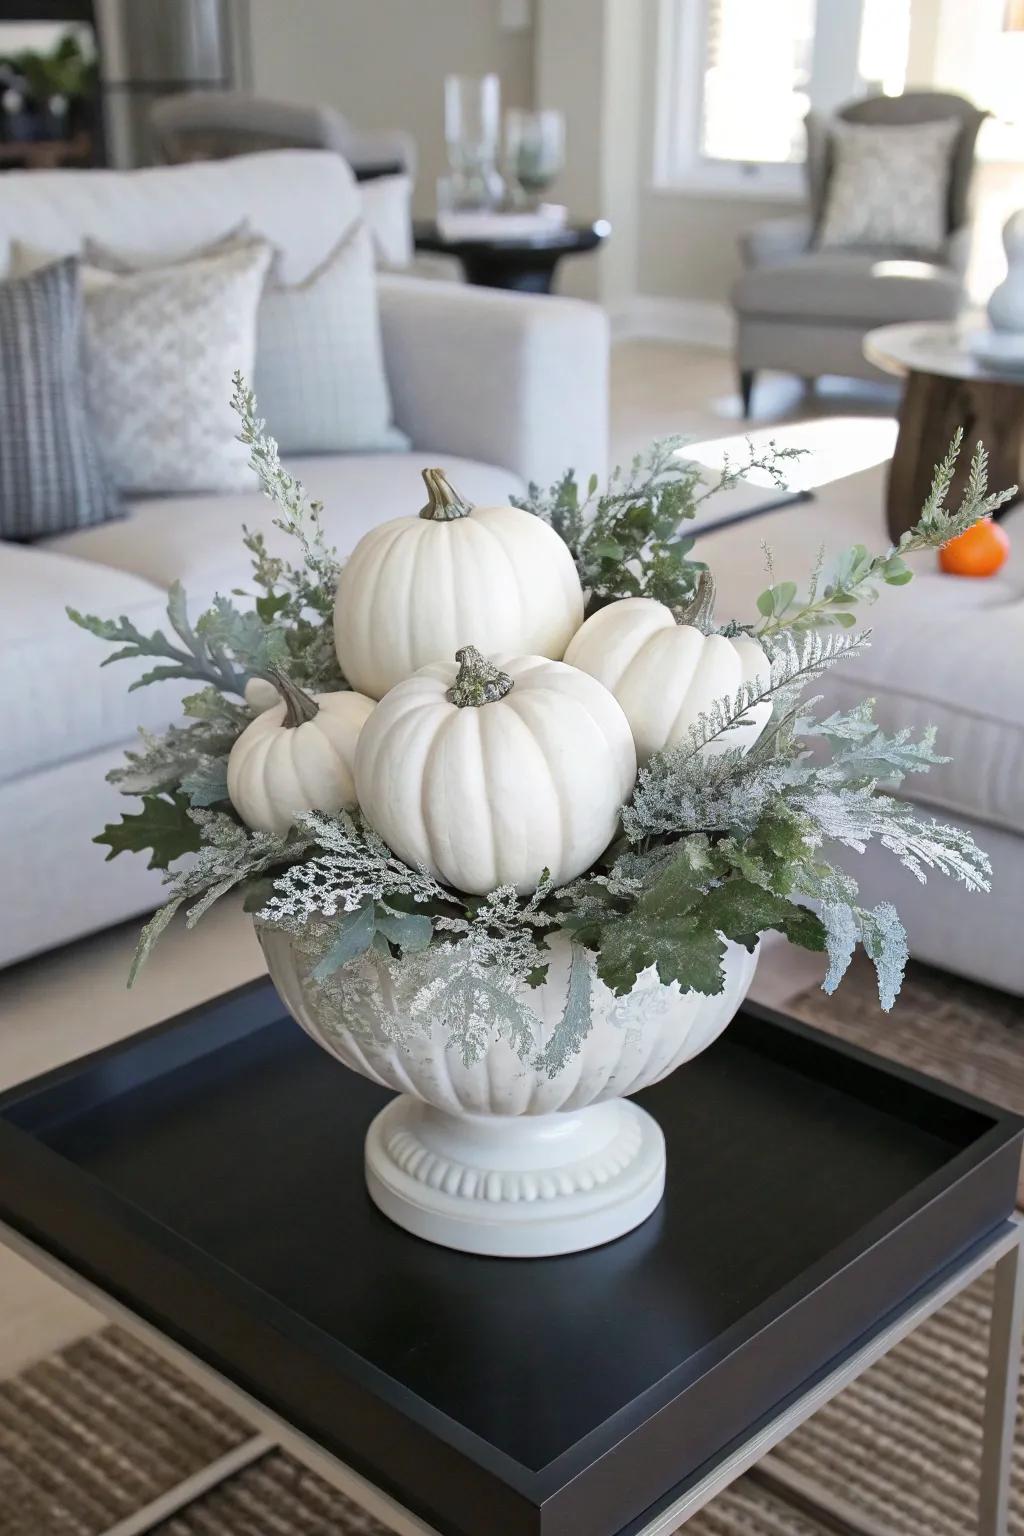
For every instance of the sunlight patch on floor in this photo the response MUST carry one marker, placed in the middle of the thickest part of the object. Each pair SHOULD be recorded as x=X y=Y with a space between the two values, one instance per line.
x=836 y=447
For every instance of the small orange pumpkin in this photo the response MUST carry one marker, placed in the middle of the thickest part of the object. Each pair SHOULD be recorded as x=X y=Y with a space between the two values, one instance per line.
x=978 y=552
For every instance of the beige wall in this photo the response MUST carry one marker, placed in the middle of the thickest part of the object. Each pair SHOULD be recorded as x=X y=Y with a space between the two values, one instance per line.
x=382 y=62
x=686 y=245
x=588 y=63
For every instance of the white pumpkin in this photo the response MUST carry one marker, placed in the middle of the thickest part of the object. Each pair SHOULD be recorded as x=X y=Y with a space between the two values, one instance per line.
x=665 y=673
x=417 y=588
x=297 y=756
x=260 y=694
x=491 y=772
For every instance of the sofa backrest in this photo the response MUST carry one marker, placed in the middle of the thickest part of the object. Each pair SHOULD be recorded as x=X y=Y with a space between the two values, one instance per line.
x=302 y=201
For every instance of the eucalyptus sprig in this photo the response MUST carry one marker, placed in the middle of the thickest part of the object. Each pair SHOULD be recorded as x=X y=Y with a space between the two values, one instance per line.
x=857 y=574
x=627 y=541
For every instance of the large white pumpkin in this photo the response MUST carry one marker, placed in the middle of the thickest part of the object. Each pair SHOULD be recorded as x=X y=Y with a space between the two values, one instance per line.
x=416 y=589
x=665 y=674
x=490 y=773
x=298 y=755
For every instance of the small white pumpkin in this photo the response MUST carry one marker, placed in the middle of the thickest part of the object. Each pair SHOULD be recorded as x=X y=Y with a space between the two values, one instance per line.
x=260 y=694
x=417 y=588
x=665 y=672
x=297 y=756
x=491 y=772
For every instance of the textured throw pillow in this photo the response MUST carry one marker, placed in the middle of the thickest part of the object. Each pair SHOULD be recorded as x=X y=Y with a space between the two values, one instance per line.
x=320 y=379
x=111 y=258
x=889 y=187
x=51 y=473
x=161 y=348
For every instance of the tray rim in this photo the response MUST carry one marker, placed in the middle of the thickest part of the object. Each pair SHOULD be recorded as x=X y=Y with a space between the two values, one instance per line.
x=538 y=1486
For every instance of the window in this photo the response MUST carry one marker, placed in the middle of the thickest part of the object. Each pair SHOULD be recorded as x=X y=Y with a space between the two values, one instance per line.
x=737 y=78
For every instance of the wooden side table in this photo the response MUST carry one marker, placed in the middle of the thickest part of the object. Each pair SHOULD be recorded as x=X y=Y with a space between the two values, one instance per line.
x=946 y=388
x=527 y=266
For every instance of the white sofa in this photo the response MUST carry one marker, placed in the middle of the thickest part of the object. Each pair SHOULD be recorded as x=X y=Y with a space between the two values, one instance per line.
x=945 y=651
x=498 y=388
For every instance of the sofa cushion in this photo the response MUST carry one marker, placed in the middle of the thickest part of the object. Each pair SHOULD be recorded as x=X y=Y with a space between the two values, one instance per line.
x=844 y=288
x=56 y=700
x=946 y=651
x=320 y=378
x=197 y=539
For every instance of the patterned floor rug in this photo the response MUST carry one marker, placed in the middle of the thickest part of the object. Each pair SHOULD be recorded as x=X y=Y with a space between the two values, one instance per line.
x=96 y=1435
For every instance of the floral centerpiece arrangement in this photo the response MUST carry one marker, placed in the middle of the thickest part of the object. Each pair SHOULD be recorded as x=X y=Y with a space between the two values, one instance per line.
x=512 y=808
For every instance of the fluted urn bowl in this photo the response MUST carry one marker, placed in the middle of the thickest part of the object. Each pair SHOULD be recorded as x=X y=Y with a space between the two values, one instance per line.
x=514 y=1153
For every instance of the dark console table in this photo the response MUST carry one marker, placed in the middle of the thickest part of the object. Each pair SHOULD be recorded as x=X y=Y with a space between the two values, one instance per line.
x=202 y=1183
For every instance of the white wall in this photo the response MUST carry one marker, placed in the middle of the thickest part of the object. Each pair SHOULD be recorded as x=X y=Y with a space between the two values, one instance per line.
x=588 y=63
x=382 y=62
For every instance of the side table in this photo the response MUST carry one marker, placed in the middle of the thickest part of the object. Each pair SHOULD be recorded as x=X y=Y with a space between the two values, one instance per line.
x=946 y=387
x=527 y=266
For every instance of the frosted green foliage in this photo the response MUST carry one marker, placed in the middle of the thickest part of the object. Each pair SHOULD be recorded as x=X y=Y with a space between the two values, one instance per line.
x=475 y=1001
x=856 y=574
x=207 y=783
x=185 y=755
x=855 y=817
x=352 y=865
x=885 y=943
x=883 y=937
x=297 y=515
x=564 y=1043
x=198 y=653
x=626 y=541
x=231 y=855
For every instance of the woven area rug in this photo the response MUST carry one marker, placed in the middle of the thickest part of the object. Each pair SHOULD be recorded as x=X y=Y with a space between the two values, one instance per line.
x=93 y=1435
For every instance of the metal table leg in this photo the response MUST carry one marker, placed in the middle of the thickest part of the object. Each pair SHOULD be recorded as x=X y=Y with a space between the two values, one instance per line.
x=1000 y=1420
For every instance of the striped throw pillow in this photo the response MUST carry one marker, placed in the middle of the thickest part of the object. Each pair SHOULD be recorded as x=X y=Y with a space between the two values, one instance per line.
x=52 y=477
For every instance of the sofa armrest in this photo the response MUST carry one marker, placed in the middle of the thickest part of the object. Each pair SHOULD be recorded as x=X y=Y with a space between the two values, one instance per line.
x=773 y=241
x=505 y=378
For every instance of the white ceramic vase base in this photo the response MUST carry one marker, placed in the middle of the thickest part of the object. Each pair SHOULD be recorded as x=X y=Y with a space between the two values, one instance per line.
x=516 y=1186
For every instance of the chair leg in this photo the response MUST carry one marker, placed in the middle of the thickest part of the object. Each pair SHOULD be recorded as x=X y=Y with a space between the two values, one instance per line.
x=746 y=389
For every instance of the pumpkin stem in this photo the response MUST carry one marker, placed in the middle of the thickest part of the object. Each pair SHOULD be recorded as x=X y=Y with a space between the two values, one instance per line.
x=299 y=707
x=700 y=610
x=444 y=504
x=479 y=680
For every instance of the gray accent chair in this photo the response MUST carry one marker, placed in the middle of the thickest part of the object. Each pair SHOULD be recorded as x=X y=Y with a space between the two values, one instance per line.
x=215 y=125
x=807 y=311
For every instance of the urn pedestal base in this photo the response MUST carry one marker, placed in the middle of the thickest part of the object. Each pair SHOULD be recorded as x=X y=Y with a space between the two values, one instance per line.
x=516 y=1186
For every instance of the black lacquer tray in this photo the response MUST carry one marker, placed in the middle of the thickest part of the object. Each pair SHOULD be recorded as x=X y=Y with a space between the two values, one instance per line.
x=208 y=1175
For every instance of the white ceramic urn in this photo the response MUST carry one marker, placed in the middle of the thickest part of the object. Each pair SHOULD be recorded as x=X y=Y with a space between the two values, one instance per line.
x=497 y=1155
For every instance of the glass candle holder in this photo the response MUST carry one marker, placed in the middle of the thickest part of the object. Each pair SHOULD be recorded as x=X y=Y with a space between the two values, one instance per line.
x=472 y=125
x=534 y=151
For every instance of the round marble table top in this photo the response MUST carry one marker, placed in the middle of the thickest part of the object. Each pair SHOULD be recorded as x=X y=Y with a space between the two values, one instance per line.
x=936 y=347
